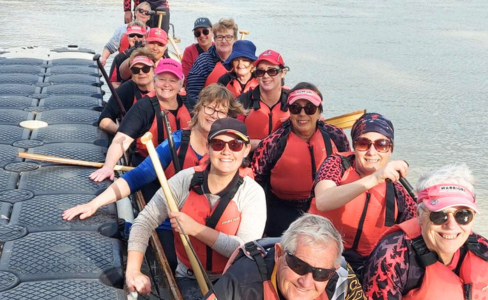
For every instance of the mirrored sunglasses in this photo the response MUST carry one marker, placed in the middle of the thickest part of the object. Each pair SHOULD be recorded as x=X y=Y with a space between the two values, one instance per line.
x=136 y=70
x=381 y=145
x=301 y=268
x=309 y=108
x=462 y=216
x=198 y=33
x=234 y=145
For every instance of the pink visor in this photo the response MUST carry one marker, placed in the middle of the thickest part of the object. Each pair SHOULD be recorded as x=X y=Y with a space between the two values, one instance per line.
x=304 y=94
x=141 y=60
x=441 y=196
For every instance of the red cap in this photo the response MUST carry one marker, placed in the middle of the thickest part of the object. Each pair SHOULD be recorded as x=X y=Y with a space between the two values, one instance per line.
x=136 y=29
x=171 y=66
x=270 y=56
x=157 y=35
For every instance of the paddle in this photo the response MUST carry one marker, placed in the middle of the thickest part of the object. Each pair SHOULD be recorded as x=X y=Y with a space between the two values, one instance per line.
x=243 y=33
x=173 y=207
x=171 y=142
x=170 y=38
x=110 y=86
x=345 y=121
x=68 y=161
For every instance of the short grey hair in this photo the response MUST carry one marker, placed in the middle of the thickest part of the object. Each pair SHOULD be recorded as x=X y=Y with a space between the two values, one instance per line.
x=313 y=230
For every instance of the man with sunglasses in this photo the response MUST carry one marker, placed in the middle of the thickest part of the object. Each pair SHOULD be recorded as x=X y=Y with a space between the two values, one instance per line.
x=436 y=255
x=359 y=191
x=202 y=30
x=306 y=264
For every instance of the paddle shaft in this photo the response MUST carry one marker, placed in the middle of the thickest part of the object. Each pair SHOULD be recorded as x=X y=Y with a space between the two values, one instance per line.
x=173 y=207
x=243 y=33
x=110 y=86
x=171 y=142
x=69 y=161
x=161 y=14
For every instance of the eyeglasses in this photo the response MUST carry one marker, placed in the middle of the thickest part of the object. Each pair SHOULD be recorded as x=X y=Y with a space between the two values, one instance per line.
x=136 y=35
x=219 y=145
x=296 y=109
x=462 y=216
x=198 y=33
x=381 y=145
x=301 y=268
x=136 y=70
x=145 y=12
x=220 y=38
x=270 y=72
x=209 y=110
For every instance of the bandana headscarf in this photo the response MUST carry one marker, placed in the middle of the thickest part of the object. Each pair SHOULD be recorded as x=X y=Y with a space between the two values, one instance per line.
x=372 y=122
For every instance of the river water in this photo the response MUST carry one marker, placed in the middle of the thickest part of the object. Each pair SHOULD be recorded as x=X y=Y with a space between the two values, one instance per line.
x=423 y=64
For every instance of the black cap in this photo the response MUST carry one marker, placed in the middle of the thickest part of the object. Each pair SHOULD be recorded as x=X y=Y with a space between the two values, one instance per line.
x=229 y=125
x=202 y=23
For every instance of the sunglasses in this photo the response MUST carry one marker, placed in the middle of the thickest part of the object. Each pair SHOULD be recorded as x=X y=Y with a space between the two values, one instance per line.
x=270 y=72
x=462 y=216
x=136 y=35
x=145 y=12
x=295 y=109
x=301 y=268
x=381 y=145
x=219 y=145
x=209 y=110
x=136 y=70
x=198 y=33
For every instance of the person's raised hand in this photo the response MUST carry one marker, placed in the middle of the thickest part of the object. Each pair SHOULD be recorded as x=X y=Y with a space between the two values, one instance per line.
x=127 y=17
x=393 y=171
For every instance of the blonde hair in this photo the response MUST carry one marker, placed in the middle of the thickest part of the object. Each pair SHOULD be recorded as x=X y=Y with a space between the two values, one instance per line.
x=142 y=52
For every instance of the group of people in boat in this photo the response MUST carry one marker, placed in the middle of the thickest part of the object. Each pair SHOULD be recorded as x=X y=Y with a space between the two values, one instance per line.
x=249 y=158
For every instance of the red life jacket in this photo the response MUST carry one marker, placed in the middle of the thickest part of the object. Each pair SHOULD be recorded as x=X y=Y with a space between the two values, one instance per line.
x=124 y=43
x=182 y=120
x=224 y=217
x=263 y=120
x=236 y=88
x=364 y=219
x=439 y=281
x=187 y=159
x=214 y=76
x=297 y=152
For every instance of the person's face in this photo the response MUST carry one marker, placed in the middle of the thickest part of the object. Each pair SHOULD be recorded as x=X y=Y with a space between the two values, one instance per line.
x=227 y=161
x=203 y=40
x=209 y=113
x=447 y=238
x=141 y=16
x=303 y=287
x=242 y=66
x=266 y=82
x=157 y=49
x=167 y=85
x=141 y=78
x=222 y=44
x=370 y=161
x=133 y=38
x=304 y=125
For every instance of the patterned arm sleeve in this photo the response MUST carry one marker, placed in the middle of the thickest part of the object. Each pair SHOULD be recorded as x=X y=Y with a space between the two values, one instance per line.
x=126 y=5
x=406 y=204
x=338 y=137
x=331 y=169
x=262 y=159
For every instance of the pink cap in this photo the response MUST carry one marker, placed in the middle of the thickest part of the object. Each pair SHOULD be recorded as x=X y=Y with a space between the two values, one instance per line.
x=136 y=29
x=141 y=59
x=157 y=35
x=169 y=65
x=270 y=56
x=304 y=94
x=441 y=196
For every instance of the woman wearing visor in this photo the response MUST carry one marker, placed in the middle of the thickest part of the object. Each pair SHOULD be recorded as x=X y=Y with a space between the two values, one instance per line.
x=436 y=255
x=359 y=191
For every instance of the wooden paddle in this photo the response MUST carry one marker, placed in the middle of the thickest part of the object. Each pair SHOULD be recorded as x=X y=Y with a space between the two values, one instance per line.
x=345 y=121
x=173 y=207
x=69 y=161
x=243 y=33
x=161 y=14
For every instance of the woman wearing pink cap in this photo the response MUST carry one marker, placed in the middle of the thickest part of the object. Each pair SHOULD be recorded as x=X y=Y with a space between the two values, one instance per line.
x=436 y=255
x=285 y=162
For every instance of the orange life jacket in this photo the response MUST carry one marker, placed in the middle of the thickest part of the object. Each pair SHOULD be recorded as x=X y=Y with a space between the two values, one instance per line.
x=224 y=217
x=364 y=219
x=214 y=76
x=182 y=120
x=235 y=87
x=124 y=43
x=439 y=281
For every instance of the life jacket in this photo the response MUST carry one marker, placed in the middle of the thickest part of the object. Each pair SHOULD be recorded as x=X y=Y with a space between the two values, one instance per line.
x=293 y=151
x=236 y=88
x=364 y=219
x=217 y=71
x=181 y=121
x=124 y=43
x=439 y=281
x=225 y=217
x=262 y=120
x=186 y=159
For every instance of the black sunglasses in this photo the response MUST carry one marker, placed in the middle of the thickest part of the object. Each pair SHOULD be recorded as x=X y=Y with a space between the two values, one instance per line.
x=381 y=145
x=219 y=145
x=136 y=34
x=462 y=216
x=295 y=109
x=136 y=70
x=198 y=33
x=270 y=72
x=145 y=12
x=301 y=268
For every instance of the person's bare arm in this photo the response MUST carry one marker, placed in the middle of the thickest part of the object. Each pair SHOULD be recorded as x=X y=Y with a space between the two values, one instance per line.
x=108 y=125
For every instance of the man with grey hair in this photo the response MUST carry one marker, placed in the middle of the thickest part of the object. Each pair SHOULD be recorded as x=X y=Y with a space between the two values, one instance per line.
x=306 y=264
